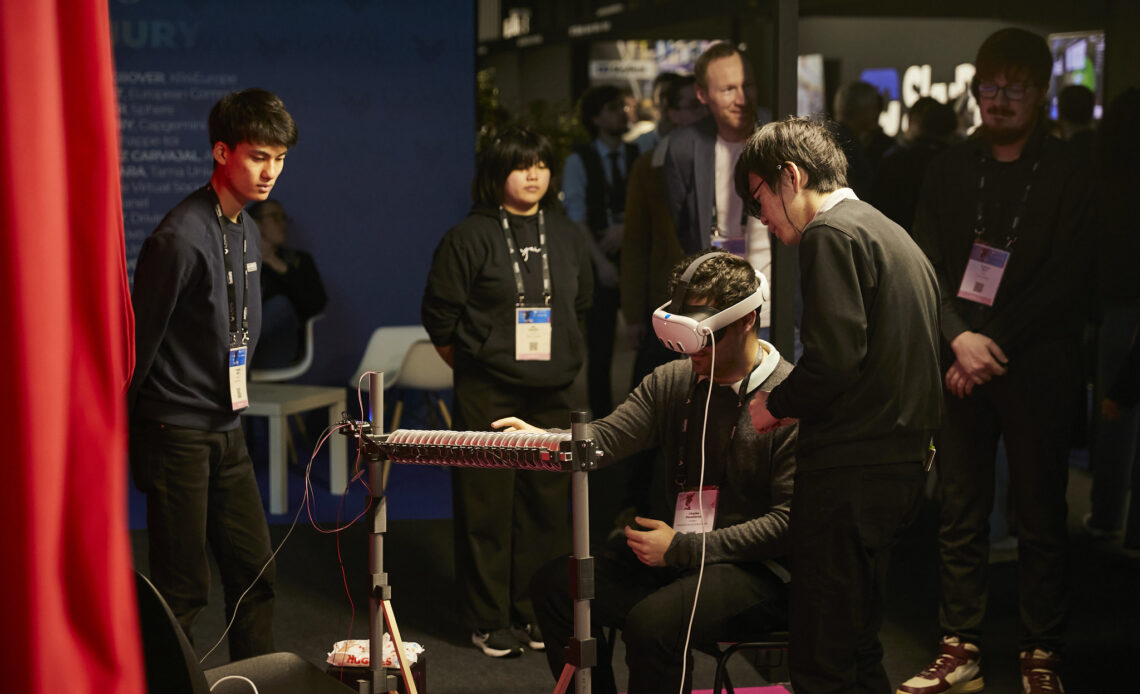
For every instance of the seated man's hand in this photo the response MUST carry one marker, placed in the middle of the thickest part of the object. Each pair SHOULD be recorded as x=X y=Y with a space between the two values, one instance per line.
x=514 y=424
x=650 y=545
x=763 y=420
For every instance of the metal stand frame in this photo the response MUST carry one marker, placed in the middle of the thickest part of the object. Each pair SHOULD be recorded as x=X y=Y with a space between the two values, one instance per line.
x=582 y=651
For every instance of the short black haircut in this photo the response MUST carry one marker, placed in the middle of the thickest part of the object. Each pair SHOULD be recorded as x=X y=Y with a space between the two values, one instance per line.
x=671 y=91
x=513 y=148
x=593 y=101
x=932 y=118
x=724 y=279
x=1016 y=54
x=809 y=143
x=1075 y=104
x=252 y=115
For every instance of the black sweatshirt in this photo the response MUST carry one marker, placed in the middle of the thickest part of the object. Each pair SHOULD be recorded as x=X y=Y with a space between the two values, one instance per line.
x=868 y=389
x=182 y=335
x=470 y=299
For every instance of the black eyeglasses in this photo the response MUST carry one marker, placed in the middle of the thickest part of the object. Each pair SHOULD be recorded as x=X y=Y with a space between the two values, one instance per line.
x=1014 y=91
x=752 y=205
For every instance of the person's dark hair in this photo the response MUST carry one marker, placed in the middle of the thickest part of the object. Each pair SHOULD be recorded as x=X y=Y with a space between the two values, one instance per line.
x=671 y=91
x=720 y=49
x=1016 y=54
x=808 y=143
x=856 y=97
x=513 y=148
x=723 y=279
x=932 y=118
x=257 y=209
x=1075 y=104
x=1118 y=137
x=593 y=101
x=251 y=115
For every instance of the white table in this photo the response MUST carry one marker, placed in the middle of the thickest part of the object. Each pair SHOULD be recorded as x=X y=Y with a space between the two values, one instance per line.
x=279 y=400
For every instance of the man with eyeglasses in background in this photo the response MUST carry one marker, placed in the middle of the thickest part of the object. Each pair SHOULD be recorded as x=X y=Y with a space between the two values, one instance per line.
x=1002 y=219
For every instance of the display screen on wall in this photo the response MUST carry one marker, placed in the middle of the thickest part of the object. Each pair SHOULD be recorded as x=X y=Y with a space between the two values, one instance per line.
x=1078 y=58
x=632 y=65
x=810 y=92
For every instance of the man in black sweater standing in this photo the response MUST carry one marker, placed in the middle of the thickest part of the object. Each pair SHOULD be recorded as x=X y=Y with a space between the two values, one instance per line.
x=197 y=304
x=866 y=392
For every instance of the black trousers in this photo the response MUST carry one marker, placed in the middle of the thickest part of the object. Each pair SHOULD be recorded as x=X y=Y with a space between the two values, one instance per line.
x=507 y=523
x=200 y=489
x=601 y=331
x=1031 y=407
x=844 y=522
x=651 y=606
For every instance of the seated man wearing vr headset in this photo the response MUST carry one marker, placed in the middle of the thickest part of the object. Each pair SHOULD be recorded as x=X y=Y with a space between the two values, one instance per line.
x=730 y=491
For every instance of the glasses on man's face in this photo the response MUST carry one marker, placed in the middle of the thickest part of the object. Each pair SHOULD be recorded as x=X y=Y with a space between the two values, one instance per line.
x=1014 y=91
x=752 y=205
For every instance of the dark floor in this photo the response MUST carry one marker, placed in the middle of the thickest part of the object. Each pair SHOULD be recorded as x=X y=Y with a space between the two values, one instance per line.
x=313 y=610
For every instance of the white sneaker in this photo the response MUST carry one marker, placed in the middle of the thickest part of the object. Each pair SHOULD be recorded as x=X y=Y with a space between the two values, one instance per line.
x=529 y=635
x=956 y=670
x=498 y=643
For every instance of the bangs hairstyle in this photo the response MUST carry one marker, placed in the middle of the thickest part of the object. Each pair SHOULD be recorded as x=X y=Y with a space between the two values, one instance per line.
x=723 y=279
x=514 y=148
x=806 y=142
x=252 y=115
x=1016 y=54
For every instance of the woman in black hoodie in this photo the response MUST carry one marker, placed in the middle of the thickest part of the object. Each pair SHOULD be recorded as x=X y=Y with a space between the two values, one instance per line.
x=505 y=298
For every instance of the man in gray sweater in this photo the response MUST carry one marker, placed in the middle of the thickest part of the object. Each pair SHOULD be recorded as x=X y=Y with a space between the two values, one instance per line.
x=647 y=587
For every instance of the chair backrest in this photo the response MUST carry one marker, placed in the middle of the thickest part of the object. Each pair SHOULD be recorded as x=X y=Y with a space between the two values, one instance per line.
x=169 y=659
x=385 y=353
x=288 y=373
x=423 y=368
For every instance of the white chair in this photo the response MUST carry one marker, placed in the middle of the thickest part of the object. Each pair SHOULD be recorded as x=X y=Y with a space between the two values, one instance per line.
x=408 y=360
x=294 y=370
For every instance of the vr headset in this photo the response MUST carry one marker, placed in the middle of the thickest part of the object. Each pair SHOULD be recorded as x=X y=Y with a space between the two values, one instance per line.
x=688 y=329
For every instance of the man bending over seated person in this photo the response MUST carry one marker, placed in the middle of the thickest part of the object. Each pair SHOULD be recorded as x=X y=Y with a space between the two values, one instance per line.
x=648 y=589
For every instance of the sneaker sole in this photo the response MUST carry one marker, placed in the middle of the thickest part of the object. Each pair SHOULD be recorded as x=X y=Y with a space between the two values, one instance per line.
x=969 y=687
x=496 y=652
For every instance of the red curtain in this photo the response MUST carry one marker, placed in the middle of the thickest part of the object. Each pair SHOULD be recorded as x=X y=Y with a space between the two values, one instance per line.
x=67 y=601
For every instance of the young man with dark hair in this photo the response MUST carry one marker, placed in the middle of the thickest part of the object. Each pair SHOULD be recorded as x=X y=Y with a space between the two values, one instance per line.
x=865 y=393
x=647 y=590
x=593 y=194
x=1003 y=218
x=197 y=305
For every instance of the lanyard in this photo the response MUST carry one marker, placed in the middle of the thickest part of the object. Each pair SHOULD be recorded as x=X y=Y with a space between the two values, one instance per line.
x=715 y=226
x=230 y=291
x=516 y=257
x=1022 y=206
x=681 y=478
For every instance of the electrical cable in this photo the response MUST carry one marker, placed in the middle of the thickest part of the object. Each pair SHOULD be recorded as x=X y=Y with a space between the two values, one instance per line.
x=236 y=677
x=701 y=512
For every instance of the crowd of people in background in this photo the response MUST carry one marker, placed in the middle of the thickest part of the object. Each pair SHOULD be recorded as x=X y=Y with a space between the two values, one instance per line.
x=954 y=288
x=1002 y=214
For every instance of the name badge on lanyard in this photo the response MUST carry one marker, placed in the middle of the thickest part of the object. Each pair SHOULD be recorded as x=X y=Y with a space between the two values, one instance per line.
x=532 y=333
x=983 y=273
x=532 y=320
x=696 y=511
x=239 y=394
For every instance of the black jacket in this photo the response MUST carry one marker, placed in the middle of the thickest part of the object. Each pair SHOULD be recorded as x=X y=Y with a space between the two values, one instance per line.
x=1046 y=285
x=471 y=296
